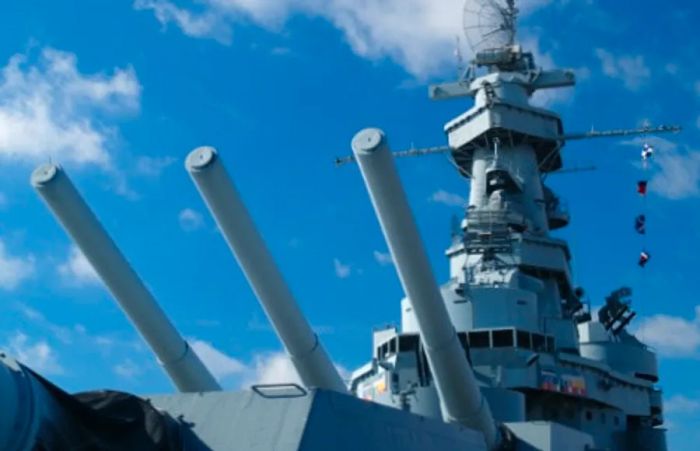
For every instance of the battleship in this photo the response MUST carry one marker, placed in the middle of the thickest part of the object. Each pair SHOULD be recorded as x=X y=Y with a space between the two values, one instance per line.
x=505 y=354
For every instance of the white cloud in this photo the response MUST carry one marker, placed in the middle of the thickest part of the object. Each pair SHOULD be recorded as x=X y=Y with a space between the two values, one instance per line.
x=671 y=336
x=631 y=70
x=127 y=369
x=383 y=258
x=447 y=198
x=221 y=365
x=682 y=404
x=190 y=220
x=36 y=354
x=47 y=108
x=14 y=270
x=671 y=68
x=207 y=24
x=417 y=34
x=271 y=368
x=77 y=270
x=265 y=368
x=62 y=334
x=152 y=166
x=675 y=169
x=277 y=368
x=679 y=175
x=342 y=271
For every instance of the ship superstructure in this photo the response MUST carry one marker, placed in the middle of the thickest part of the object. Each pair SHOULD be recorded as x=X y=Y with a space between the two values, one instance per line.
x=538 y=354
x=503 y=355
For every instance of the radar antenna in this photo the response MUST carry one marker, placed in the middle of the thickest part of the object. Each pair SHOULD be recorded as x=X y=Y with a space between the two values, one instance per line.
x=489 y=24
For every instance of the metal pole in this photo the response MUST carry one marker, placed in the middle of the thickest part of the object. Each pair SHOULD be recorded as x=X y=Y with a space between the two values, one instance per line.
x=459 y=393
x=219 y=193
x=182 y=365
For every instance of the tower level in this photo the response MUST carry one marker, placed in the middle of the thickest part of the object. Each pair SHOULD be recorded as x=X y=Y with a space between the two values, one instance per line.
x=547 y=369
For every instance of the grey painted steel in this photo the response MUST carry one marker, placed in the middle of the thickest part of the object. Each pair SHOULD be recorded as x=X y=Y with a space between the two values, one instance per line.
x=460 y=396
x=550 y=436
x=216 y=187
x=182 y=365
x=318 y=421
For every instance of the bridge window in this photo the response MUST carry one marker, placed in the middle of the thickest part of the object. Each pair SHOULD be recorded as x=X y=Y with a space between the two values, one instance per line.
x=538 y=342
x=479 y=339
x=503 y=338
x=523 y=339
x=408 y=343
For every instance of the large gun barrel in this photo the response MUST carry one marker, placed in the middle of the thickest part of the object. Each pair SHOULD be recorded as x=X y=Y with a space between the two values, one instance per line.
x=216 y=187
x=182 y=365
x=460 y=397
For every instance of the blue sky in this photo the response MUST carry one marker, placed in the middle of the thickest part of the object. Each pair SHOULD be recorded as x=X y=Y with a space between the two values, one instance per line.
x=119 y=92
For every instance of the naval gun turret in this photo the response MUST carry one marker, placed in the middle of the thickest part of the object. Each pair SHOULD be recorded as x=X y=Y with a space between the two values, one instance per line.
x=503 y=355
x=319 y=416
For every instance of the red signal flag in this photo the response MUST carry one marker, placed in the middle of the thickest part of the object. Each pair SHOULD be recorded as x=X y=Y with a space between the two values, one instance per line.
x=642 y=187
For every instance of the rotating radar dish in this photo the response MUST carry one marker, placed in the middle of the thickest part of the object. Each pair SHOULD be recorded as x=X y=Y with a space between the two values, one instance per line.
x=489 y=24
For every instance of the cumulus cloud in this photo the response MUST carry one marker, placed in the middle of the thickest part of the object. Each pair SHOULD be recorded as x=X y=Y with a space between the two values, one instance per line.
x=13 y=269
x=271 y=368
x=152 y=166
x=190 y=220
x=77 y=270
x=277 y=368
x=342 y=271
x=221 y=365
x=127 y=369
x=671 y=336
x=675 y=168
x=36 y=354
x=206 y=24
x=631 y=70
x=417 y=34
x=61 y=333
x=47 y=108
x=447 y=198
x=679 y=175
x=383 y=258
x=264 y=367
x=682 y=404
